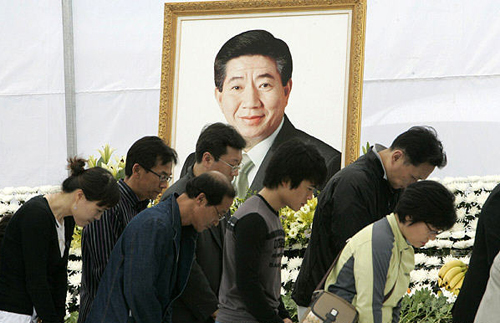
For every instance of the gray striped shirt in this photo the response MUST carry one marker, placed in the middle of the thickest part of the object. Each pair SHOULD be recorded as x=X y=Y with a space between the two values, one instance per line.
x=98 y=240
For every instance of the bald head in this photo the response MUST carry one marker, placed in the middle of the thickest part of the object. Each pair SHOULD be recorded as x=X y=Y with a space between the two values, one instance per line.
x=214 y=184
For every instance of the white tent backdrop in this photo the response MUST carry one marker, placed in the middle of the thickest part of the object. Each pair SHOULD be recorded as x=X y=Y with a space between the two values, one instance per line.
x=426 y=62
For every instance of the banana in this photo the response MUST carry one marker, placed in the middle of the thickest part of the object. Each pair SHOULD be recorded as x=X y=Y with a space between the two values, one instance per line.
x=458 y=286
x=454 y=281
x=452 y=273
x=450 y=264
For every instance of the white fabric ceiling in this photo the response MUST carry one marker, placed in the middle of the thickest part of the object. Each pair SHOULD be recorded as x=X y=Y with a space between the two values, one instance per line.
x=426 y=62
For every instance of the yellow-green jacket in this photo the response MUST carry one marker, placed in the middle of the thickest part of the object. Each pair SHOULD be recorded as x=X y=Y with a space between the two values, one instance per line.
x=374 y=262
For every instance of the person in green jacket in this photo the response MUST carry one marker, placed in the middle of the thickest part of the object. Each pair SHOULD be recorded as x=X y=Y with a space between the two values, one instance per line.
x=373 y=270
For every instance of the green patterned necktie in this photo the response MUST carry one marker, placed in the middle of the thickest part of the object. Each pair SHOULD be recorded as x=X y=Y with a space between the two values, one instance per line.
x=242 y=178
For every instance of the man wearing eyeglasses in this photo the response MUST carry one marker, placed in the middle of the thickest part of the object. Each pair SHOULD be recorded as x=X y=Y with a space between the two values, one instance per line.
x=218 y=148
x=360 y=194
x=148 y=169
x=150 y=264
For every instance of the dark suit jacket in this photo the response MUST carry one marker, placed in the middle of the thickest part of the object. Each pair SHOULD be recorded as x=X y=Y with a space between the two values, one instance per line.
x=200 y=297
x=486 y=247
x=288 y=131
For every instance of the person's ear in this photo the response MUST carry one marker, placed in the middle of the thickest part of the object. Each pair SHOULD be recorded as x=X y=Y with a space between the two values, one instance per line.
x=288 y=89
x=207 y=159
x=218 y=97
x=79 y=195
x=286 y=183
x=136 y=169
x=397 y=155
x=201 y=199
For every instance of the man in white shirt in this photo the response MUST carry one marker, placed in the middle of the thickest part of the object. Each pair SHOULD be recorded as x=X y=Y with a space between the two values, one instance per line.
x=252 y=74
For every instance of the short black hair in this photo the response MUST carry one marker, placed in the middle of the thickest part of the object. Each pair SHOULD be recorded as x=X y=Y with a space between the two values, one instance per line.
x=215 y=139
x=421 y=145
x=147 y=151
x=96 y=183
x=253 y=42
x=295 y=161
x=429 y=202
x=214 y=187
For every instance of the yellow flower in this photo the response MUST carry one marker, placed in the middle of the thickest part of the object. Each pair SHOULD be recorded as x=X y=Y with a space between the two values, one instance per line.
x=92 y=161
x=106 y=153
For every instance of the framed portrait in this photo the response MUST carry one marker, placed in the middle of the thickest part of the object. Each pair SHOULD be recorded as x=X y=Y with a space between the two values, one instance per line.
x=326 y=41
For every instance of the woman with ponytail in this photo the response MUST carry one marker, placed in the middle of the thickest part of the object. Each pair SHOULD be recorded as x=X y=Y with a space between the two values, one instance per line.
x=34 y=252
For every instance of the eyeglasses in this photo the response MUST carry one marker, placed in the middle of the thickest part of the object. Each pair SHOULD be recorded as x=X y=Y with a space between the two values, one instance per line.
x=312 y=188
x=234 y=168
x=220 y=215
x=433 y=232
x=162 y=177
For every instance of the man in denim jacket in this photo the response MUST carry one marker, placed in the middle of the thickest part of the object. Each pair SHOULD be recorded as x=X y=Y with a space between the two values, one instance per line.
x=150 y=263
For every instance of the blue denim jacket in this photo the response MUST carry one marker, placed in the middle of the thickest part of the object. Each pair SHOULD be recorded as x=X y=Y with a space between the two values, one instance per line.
x=148 y=268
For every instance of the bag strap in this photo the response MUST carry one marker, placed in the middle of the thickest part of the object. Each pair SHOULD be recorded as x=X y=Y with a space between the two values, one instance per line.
x=322 y=282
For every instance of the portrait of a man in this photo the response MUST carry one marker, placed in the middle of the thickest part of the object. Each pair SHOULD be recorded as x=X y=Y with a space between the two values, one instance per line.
x=253 y=82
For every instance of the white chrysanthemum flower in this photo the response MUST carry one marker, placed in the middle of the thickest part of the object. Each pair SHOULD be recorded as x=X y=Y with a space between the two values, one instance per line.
x=21 y=197
x=76 y=251
x=490 y=186
x=12 y=208
x=21 y=190
x=74 y=280
x=420 y=259
x=461 y=186
x=293 y=275
x=430 y=244
x=75 y=265
x=69 y=297
x=477 y=185
x=465 y=259
x=458 y=226
x=463 y=244
x=444 y=243
x=461 y=213
x=432 y=274
x=433 y=261
x=285 y=276
x=297 y=246
x=444 y=235
x=450 y=297
x=470 y=198
x=474 y=211
x=294 y=263
x=7 y=190
x=483 y=197
x=459 y=199
x=418 y=275
x=284 y=260
x=458 y=234
x=3 y=209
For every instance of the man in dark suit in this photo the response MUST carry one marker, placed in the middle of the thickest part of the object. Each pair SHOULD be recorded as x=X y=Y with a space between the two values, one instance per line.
x=218 y=148
x=252 y=74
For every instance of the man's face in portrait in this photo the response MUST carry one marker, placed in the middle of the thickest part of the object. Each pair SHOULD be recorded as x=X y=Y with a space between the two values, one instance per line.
x=253 y=99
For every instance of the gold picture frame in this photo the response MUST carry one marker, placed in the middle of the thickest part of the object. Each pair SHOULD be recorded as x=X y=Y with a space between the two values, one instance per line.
x=204 y=20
